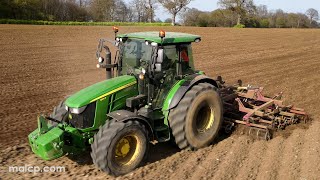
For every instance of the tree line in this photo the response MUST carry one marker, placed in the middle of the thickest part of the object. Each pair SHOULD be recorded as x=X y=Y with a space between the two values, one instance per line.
x=89 y=10
x=244 y=13
x=239 y=13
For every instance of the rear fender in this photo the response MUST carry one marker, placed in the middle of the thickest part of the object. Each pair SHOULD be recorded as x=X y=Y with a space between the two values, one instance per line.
x=178 y=91
x=186 y=86
x=125 y=116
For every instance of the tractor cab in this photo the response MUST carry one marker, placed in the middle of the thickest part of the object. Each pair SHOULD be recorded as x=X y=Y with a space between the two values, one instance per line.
x=137 y=53
x=163 y=51
x=158 y=60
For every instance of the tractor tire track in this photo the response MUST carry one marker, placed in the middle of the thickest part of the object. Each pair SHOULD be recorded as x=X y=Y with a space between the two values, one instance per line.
x=234 y=159
x=186 y=171
x=216 y=156
x=168 y=165
x=309 y=165
x=270 y=162
x=290 y=162
x=251 y=166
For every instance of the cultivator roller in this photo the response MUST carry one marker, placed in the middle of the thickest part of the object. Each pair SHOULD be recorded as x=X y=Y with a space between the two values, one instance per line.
x=261 y=114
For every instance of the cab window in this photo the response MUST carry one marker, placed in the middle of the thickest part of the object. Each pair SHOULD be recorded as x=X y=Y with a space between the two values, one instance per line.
x=173 y=53
x=134 y=51
x=170 y=57
x=186 y=59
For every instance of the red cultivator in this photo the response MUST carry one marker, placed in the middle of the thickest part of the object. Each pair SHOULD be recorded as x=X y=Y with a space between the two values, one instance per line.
x=248 y=106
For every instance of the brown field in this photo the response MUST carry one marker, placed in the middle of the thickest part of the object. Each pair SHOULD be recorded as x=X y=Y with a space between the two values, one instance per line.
x=39 y=65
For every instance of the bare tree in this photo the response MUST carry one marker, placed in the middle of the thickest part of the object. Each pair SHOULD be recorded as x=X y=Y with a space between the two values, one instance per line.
x=150 y=6
x=139 y=10
x=120 y=11
x=240 y=7
x=102 y=10
x=130 y=13
x=280 y=19
x=83 y=3
x=189 y=17
x=293 y=20
x=262 y=11
x=312 y=14
x=174 y=7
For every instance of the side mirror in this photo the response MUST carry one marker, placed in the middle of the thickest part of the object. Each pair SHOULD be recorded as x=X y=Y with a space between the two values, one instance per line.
x=157 y=65
x=160 y=56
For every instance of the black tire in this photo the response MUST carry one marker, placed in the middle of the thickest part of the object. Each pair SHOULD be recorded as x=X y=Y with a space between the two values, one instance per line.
x=197 y=119
x=59 y=113
x=105 y=146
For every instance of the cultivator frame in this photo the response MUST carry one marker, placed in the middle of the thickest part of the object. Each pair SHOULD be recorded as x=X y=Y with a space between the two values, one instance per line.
x=246 y=105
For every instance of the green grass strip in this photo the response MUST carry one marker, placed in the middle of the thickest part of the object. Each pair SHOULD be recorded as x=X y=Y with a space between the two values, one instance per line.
x=74 y=23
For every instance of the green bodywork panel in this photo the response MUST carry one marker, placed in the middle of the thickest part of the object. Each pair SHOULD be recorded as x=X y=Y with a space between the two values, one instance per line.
x=48 y=142
x=171 y=37
x=109 y=95
x=112 y=102
x=99 y=90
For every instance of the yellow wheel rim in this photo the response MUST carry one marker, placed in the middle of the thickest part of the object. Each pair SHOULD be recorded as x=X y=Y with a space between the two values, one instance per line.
x=127 y=149
x=205 y=118
x=123 y=148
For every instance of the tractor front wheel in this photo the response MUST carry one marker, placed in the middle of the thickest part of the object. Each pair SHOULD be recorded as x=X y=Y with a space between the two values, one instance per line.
x=59 y=113
x=119 y=147
x=196 y=121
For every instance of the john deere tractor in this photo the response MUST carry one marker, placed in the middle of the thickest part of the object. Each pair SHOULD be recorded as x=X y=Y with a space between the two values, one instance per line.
x=152 y=93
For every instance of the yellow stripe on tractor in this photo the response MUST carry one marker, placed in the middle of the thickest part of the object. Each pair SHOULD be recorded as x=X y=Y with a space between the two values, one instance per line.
x=115 y=90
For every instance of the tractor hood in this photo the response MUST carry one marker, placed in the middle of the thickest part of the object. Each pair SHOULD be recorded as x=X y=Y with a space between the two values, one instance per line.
x=99 y=90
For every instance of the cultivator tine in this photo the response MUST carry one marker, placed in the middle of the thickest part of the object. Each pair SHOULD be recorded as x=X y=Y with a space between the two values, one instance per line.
x=260 y=134
x=228 y=126
x=302 y=115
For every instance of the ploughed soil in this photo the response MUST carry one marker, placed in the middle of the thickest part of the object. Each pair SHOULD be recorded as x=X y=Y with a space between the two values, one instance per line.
x=40 y=65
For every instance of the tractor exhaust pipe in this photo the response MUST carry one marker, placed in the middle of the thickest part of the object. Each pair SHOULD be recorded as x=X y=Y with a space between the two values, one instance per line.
x=108 y=61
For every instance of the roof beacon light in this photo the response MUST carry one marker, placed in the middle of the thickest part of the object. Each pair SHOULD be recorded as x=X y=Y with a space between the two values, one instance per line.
x=162 y=34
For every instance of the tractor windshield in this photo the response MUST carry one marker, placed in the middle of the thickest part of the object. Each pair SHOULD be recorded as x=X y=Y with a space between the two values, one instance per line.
x=134 y=52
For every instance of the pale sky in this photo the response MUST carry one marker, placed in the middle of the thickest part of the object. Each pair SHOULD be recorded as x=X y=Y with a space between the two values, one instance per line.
x=286 y=5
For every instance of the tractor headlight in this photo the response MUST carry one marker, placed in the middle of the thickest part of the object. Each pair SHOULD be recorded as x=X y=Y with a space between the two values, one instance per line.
x=77 y=110
x=142 y=73
x=141 y=76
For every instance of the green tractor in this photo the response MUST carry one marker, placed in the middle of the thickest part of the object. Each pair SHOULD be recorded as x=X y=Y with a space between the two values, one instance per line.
x=152 y=94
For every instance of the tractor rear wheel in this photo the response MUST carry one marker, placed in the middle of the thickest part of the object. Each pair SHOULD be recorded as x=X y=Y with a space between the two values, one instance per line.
x=119 y=147
x=197 y=119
